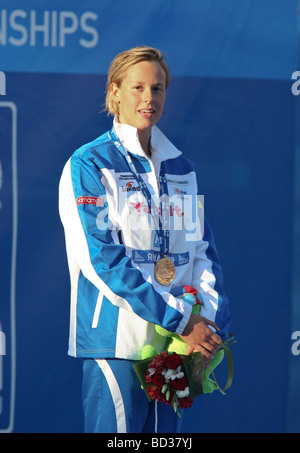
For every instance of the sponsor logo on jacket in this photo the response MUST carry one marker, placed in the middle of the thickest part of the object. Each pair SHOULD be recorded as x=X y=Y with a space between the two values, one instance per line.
x=130 y=187
x=144 y=208
x=97 y=201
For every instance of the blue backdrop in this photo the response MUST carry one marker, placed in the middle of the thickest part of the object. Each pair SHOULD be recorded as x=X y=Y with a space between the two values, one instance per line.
x=229 y=108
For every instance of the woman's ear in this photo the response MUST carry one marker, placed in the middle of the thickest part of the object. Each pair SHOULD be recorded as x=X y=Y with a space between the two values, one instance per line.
x=115 y=91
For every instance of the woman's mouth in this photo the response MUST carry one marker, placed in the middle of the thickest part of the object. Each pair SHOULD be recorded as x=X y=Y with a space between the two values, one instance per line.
x=146 y=113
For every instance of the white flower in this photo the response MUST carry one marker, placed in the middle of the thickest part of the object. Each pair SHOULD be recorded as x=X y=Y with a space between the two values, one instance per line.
x=183 y=393
x=173 y=374
x=151 y=371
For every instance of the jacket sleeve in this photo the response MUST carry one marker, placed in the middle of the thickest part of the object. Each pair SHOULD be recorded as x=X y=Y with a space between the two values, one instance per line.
x=93 y=247
x=208 y=279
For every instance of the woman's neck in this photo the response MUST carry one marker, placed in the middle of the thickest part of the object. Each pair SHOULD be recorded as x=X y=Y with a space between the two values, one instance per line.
x=144 y=138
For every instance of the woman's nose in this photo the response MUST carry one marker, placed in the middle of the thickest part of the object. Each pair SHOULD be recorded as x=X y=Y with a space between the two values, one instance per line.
x=147 y=95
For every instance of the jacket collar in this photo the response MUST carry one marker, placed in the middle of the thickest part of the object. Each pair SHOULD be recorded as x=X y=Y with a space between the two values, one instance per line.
x=161 y=147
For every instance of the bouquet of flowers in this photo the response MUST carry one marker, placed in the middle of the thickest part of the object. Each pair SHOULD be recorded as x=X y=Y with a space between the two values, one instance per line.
x=168 y=381
x=166 y=378
x=173 y=377
x=177 y=379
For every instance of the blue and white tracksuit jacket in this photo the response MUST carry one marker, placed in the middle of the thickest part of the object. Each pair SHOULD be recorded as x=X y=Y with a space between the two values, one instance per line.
x=112 y=247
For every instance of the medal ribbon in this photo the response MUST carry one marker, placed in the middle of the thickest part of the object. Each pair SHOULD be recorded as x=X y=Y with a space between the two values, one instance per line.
x=162 y=232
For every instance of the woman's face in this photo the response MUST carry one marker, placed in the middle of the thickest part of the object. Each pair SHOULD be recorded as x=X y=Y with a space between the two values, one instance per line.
x=141 y=96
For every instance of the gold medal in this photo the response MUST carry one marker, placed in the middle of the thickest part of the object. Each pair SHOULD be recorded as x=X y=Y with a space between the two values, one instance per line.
x=164 y=271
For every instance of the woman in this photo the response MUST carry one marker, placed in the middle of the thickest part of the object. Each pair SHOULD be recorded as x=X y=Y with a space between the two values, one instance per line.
x=121 y=201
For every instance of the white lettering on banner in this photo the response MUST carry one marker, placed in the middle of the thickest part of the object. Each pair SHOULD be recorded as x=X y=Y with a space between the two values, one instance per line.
x=296 y=345
x=2 y=343
x=49 y=28
x=296 y=85
x=2 y=84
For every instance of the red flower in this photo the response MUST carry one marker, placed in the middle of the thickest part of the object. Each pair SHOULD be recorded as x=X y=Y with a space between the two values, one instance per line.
x=158 y=361
x=173 y=361
x=184 y=403
x=158 y=379
x=180 y=384
x=155 y=393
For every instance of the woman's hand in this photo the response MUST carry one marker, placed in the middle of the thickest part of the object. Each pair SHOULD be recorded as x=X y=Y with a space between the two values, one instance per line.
x=199 y=337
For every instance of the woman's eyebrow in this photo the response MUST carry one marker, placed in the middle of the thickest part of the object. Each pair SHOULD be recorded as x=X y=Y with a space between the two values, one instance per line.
x=143 y=83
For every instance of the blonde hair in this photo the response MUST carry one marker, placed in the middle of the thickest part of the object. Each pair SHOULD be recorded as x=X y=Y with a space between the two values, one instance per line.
x=125 y=60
